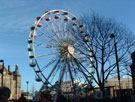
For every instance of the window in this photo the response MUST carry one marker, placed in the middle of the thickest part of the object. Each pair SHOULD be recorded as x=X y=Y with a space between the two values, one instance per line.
x=127 y=85
x=121 y=85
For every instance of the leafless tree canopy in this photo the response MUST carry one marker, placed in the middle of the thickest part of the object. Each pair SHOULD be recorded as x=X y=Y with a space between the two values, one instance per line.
x=100 y=30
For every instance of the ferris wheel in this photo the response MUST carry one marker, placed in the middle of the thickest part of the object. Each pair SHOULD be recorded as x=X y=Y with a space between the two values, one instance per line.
x=60 y=50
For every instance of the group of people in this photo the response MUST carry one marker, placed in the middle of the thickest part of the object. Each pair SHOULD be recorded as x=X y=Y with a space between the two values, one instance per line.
x=47 y=97
x=5 y=94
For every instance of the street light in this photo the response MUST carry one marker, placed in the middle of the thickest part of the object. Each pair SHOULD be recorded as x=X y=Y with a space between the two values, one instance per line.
x=2 y=71
x=112 y=36
x=133 y=69
x=27 y=82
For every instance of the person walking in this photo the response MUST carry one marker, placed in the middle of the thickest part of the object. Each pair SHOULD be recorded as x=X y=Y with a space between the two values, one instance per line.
x=133 y=97
x=63 y=98
x=22 y=99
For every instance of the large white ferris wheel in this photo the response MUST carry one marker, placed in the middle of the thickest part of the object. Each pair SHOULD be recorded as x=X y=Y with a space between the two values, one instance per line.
x=60 y=50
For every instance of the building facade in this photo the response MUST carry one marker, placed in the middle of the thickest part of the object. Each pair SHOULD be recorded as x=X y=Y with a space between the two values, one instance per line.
x=12 y=80
x=125 y=83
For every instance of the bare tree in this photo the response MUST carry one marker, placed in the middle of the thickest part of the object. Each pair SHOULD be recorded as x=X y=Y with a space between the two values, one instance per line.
x=100 y=30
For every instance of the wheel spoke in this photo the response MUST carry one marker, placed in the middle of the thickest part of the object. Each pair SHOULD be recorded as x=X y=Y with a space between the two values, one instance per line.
x=72 y=79
x=46 y=54
x=53 y=68
x=60 y=81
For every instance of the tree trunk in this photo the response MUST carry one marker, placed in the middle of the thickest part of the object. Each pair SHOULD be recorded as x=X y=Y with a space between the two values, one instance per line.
x=103 y=92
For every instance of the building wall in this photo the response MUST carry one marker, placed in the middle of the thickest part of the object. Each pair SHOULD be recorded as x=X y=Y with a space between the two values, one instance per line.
x=68 y=87
x=12 y=80
x=125 y=83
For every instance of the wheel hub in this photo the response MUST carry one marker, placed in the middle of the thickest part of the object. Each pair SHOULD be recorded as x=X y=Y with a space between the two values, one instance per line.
x=70 y=49
x=67 y=49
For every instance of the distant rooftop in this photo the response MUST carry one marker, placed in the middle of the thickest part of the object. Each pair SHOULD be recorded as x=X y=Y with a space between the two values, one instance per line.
x=16 y=72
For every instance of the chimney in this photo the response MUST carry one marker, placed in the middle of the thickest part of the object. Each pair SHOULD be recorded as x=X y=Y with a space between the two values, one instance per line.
x=8 y=68
x=16 y=70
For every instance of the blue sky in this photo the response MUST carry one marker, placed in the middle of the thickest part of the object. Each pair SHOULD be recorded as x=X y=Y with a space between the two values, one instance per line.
x=17 y=16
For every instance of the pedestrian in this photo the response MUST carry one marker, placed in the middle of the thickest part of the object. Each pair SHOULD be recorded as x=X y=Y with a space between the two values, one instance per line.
x=63 y=98
x=133 y=97
x=22 y=99
x=4 y=94
x=34 y=99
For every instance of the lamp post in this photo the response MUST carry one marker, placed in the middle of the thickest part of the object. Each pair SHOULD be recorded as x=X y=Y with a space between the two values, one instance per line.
x=2 y=61
x=117 y=62
x=27 y=82
x=133 y=69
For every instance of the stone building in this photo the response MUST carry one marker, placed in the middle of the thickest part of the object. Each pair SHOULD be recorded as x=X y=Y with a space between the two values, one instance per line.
x=12 y=80
x=68 y=87
x=125 y=83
